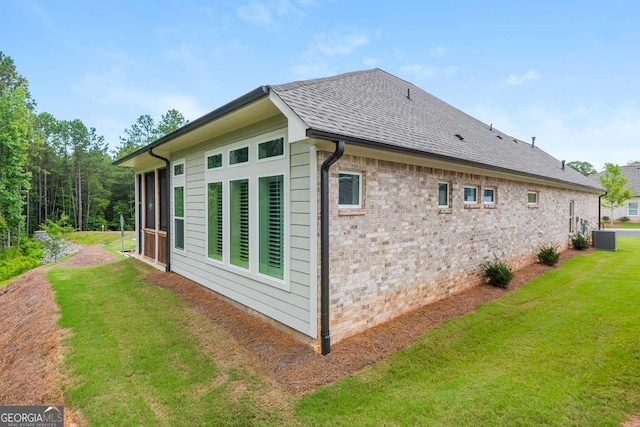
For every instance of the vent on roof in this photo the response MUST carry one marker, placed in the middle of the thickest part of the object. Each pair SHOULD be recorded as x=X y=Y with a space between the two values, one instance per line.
x=409 y=93
x=533 y=142
x=498 y=136
x=491 y=127
x=515 y=140
x=460 y=137
x=563 y=165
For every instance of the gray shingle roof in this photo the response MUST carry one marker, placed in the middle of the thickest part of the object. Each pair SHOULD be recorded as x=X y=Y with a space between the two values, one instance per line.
x=372 y=105
x=632 y=172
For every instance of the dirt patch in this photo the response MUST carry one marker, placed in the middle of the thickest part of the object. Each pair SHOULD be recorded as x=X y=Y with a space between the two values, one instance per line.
x=298 y=368
x=30 y=350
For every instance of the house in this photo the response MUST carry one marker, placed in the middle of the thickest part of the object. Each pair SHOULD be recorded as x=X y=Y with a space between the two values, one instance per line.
x=630 y=209
x=331 y=205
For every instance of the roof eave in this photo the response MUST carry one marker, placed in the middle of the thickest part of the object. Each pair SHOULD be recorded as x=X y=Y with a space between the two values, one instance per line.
x=320 y=134
x=230 y=107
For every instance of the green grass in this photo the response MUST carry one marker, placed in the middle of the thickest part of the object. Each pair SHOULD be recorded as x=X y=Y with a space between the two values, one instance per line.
x=111 y=240
x=629 y=225
x=131 y=359
x=561 y=350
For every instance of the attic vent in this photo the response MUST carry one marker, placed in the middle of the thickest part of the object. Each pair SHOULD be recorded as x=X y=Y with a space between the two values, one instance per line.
x=409 y=93
x=491 y=127
x=460 y=137
x=515 y=140
x=498 y=136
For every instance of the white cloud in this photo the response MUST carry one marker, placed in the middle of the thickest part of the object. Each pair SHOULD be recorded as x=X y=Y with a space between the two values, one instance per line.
x=428 y=71
x=268 y=13
x=514 y=79
x=339 y=43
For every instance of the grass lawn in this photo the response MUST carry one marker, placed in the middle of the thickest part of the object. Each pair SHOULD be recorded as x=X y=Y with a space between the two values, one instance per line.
x=562 y=350
x=133 y=356
x=111 y=240
x=630 y=225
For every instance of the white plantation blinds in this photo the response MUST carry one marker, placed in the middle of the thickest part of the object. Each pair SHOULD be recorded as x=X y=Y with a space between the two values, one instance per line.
x=214 y=238
x=239 y=220
x=271 y=196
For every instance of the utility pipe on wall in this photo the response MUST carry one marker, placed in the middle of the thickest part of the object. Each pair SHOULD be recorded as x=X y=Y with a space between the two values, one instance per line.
x=167 y=194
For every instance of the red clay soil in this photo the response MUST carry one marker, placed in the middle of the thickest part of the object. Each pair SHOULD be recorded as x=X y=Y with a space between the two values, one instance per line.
x=30 y=349
x=297 y=367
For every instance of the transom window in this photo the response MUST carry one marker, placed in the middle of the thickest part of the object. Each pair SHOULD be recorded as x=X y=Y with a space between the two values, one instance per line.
x=443 y=194
x=273 y=148
x=214 y=161
x=470 y=194
x=241 y=155
x=489 y=196
x=532 y=197
x=350 y=190
x=178 y=169
x=632 y=209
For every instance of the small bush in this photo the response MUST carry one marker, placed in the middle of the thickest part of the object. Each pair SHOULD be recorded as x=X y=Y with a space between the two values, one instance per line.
x=498 y=273
x=605 y=218
x=579 y=242
x=548 y=254
x=624 y=219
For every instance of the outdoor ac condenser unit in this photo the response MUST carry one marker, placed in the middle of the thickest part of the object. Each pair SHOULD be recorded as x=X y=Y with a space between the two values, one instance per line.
x=604 y=240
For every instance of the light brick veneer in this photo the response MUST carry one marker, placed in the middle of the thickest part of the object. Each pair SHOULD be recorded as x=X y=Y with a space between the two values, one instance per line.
x=401 y=251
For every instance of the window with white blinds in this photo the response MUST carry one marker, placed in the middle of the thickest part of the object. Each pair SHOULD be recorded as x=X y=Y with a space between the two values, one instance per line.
x=271 y=232
x=215 y=232
x=239 y=223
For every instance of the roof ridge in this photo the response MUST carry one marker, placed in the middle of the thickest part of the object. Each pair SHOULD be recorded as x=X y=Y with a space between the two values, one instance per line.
x=302 y=83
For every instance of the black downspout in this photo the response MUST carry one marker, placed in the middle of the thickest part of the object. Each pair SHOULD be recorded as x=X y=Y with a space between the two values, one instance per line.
x=167 y=266
x=600 y=209
x=324 y=245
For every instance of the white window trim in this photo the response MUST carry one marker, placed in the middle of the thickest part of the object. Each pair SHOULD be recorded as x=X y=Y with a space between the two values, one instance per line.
x=469 y=202
x=270 y=159
x=360 y=194
x=537 y=193
x=448 y=195
x=254 y=170
x=210 y=153
x=178 y=181
x=493 y=202
x=637 y=209
x=236 y=165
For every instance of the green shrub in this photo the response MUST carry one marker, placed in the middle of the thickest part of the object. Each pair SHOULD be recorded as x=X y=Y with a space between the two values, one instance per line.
x=605 y=218
x=16 y=266
x=579 y=242
x=624 y=219
x=498 y=273
x=548 y=254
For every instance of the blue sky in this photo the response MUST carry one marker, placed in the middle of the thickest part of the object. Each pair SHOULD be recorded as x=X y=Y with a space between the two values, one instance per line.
x=567 y=72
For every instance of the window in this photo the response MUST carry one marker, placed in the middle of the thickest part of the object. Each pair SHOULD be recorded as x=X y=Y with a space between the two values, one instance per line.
x=214 y=209
x=214 y=161
x=470 y=195
x=178 y=216
x=443 y=194
x=273 y=148
x=178 y=169
x=239 y=223
x=241 y=155
x=489 y=196
x=532 y=197
x=271 y=207
x=632 y=209
x=150 y=200
x=349 y=190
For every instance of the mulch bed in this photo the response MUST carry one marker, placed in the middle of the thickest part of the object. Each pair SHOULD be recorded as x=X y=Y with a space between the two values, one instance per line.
x=297 y=367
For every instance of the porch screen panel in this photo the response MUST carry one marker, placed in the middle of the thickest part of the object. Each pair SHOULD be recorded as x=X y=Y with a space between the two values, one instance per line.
x=150 y=200
x=164 y=204
x=214 y=237
x=239 y=223
x=271 y=195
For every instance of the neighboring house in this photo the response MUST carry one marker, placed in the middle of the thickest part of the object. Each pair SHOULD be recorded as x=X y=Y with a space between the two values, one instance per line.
x=630 y=208
x=418 y=196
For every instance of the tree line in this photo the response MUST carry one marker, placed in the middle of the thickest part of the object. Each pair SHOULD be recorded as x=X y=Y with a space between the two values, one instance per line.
x=62 y=170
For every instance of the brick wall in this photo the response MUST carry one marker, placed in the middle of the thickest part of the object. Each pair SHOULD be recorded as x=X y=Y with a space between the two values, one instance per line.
x=400 y=251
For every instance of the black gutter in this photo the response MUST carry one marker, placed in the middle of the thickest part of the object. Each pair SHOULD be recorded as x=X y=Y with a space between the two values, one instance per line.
x=324 y=245
x=320 y=134
x=245 y=99
x=600 y=209
x=167 y=265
